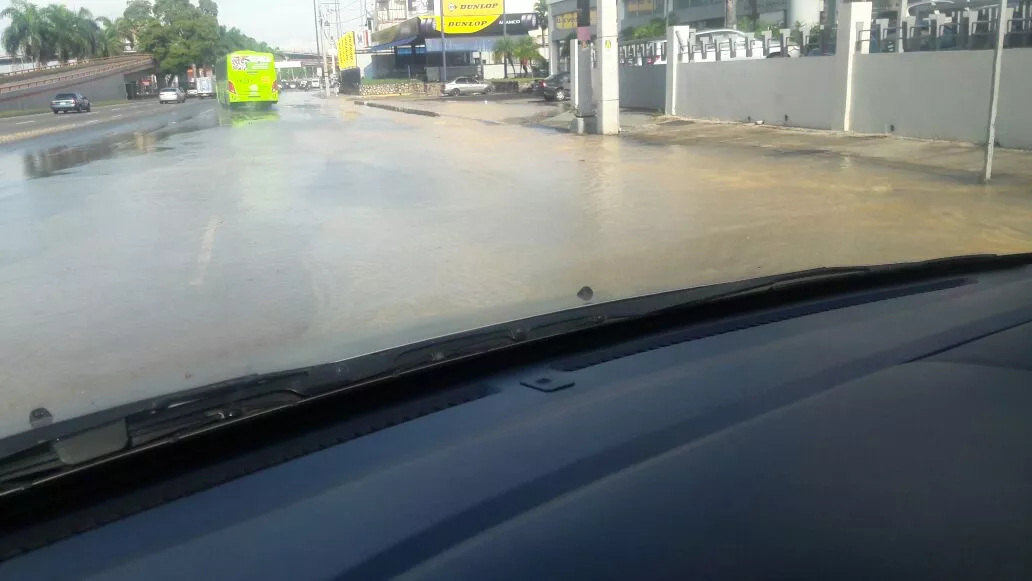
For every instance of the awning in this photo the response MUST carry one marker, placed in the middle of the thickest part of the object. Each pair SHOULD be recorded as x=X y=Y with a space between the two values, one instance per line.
x=453 y=44
x=390 y=45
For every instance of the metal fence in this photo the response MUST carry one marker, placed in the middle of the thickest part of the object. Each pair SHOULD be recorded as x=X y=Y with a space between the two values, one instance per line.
x=967 y=29
x=723 y=45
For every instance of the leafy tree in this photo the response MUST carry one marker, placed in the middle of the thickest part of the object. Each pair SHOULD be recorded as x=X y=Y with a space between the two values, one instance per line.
x=136 y=16
x=208 y=7
x=176 y=32
x=654 y=29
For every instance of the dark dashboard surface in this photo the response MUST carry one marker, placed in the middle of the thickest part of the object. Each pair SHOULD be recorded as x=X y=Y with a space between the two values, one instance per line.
x=858 y=439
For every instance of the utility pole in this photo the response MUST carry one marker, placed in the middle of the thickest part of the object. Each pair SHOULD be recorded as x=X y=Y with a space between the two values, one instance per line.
x=444 y=53
x=318 y=32
x=336 y=11
x=994 y=95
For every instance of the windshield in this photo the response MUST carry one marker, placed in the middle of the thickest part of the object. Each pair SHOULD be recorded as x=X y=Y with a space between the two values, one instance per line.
x=276 y=221
x=64 y=96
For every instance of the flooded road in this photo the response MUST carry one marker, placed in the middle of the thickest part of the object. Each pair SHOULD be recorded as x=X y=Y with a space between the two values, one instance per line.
x=194 y=245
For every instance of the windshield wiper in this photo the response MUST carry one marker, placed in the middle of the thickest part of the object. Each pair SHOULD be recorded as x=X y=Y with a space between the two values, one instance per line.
x=49 y=450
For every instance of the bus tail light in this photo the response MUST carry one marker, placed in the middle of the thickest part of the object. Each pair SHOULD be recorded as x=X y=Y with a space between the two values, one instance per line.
x=230 y=87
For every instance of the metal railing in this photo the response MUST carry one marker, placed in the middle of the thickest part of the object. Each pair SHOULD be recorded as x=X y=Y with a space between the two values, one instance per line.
x=722 y=45
x=967 y=29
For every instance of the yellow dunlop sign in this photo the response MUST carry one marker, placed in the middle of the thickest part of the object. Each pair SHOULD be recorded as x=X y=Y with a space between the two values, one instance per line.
x=346 y=51
x=463 y=24
x=482 y=8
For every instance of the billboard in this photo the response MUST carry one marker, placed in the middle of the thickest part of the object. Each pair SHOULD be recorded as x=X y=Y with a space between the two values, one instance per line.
x=454 y=9
x=404 y=30
x=515 y=24
x=346 y=51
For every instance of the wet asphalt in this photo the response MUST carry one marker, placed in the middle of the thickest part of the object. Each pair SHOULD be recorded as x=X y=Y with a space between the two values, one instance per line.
x=179 y=245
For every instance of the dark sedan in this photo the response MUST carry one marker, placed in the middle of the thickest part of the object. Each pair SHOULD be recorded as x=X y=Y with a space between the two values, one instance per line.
x=555 y=88
x=65 y=102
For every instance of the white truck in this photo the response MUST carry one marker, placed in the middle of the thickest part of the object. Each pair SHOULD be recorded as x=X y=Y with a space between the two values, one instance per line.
x=205 y=87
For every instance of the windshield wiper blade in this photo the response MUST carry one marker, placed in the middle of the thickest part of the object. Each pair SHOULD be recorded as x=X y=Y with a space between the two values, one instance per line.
x=132 y=433
x=48 y=450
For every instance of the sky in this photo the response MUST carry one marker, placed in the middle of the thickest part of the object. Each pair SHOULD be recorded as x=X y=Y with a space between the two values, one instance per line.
x=288 y=24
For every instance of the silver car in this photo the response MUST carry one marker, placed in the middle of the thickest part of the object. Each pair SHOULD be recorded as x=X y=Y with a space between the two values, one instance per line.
x=467 y=86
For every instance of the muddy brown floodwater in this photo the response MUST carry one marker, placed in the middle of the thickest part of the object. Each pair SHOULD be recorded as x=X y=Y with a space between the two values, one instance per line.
x=156 y=255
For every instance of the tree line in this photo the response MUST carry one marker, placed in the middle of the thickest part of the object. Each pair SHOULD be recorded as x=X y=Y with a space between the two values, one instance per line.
x=176 y=32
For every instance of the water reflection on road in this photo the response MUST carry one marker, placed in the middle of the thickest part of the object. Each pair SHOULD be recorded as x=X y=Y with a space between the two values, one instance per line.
x=156 y=258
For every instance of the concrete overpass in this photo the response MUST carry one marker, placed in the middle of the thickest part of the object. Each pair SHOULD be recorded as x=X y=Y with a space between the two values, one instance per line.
x=99 y=79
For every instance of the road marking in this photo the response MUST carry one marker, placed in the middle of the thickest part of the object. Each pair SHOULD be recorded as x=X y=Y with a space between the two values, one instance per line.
x=116 y=116
x=24 y=122
x=207 y=249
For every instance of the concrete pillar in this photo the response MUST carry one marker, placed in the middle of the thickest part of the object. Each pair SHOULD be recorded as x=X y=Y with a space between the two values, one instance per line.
x=675 y=34
x=553 y=43
x=853 y=17
x=806 y=12
x=607 y=99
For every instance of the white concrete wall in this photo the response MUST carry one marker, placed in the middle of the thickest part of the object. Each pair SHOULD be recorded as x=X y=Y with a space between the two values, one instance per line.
x=943 y=95
x=761 y=89
x=642 y=87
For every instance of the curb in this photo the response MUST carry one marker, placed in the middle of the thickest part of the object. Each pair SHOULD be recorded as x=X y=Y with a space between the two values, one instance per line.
x=398 y=109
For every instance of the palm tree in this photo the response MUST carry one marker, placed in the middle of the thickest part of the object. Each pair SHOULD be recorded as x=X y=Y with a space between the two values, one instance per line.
x=503 y=49
x=69 y=40
x=526 y=51
x=111 y=38
x=29 y=32
x=541 y=9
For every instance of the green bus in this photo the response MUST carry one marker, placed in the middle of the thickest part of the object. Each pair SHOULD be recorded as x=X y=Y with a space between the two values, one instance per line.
x=247 y=76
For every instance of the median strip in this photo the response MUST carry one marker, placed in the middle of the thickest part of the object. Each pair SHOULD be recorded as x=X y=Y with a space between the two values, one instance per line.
x=408 y=110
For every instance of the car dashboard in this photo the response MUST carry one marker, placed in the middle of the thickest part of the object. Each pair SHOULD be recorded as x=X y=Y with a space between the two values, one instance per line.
x=881 y=434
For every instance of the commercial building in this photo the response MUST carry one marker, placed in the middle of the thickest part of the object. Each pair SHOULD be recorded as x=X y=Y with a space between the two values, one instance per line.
x=407 y=39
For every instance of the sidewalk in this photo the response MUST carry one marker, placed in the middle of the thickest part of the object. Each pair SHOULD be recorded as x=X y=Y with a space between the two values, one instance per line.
x=965 y=160
x=962 y=161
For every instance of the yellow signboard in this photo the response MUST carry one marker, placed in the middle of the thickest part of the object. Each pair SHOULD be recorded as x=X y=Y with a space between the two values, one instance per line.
x=568 y=20
x=346 y=51
x=482 y=8
x=640 y=7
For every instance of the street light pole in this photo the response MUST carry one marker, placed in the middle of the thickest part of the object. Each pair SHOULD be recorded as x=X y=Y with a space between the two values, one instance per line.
x=994 y=95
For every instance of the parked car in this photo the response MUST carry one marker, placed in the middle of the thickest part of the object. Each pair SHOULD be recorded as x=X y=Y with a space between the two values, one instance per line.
x=556 y=87
x=467 y=86
x=559 y=88
x=65 y=102
x=722 y=39
x=171 y=95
